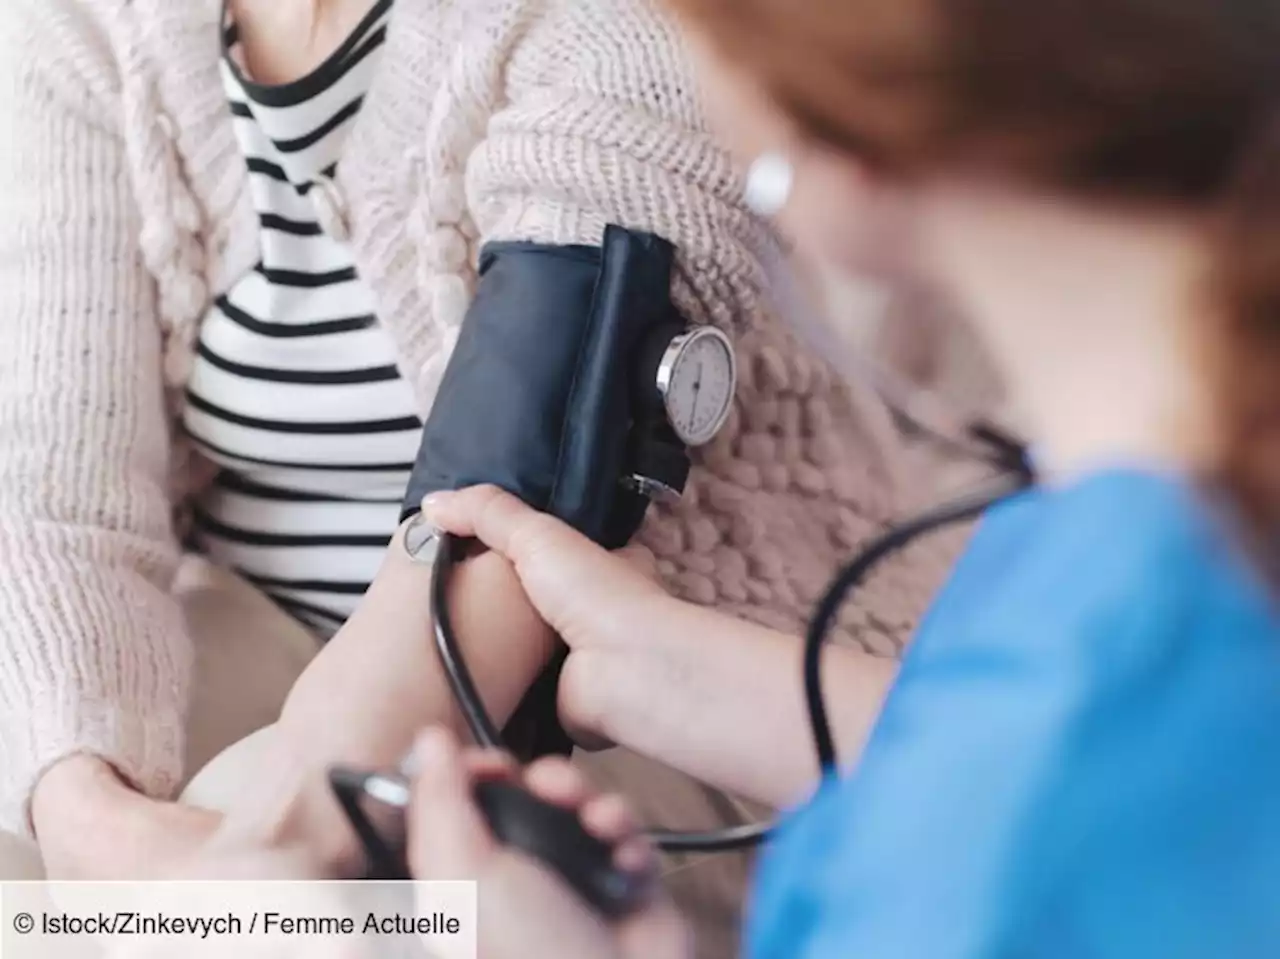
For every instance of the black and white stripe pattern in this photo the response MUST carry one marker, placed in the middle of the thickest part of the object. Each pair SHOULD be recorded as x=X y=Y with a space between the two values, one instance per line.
x=295 y=391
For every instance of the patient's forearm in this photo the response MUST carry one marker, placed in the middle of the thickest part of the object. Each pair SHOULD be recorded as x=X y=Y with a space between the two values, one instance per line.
x=378 y=681
x=723 y=700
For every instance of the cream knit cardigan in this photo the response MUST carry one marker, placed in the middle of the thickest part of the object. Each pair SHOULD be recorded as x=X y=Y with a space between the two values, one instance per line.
x=123 y=209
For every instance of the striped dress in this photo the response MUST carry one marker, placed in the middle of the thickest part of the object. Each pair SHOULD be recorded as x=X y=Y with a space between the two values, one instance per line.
x=295 y=392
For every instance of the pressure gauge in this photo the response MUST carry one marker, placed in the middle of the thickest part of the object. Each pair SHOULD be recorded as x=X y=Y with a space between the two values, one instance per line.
x=697 y=377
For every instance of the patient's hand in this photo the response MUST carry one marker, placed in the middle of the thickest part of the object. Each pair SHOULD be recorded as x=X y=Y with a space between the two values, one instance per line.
x=93 y=826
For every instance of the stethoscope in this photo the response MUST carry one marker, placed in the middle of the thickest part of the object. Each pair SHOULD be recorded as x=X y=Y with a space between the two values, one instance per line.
x=555 y=836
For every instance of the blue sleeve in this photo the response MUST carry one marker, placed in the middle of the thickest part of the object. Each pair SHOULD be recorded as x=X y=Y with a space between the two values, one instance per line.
x=920 y=857
x=1071 y=717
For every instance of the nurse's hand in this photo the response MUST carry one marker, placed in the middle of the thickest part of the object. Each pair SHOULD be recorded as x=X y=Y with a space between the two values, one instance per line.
x=587 y=594
x=603 y=605
x=527 y=910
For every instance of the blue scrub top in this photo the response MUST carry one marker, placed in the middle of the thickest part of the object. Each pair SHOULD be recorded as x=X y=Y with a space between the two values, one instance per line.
x=1080 y=759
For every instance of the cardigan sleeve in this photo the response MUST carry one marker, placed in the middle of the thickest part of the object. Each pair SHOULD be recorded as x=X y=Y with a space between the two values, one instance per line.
x=94 y=657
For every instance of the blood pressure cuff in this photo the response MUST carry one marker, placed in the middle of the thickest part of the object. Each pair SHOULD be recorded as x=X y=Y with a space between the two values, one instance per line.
x=539 y=399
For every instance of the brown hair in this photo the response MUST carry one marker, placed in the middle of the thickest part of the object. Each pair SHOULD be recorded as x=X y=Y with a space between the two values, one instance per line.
x=1168 y=102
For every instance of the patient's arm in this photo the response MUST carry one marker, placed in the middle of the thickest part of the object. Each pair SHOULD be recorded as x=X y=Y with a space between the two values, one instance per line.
x=378 y=682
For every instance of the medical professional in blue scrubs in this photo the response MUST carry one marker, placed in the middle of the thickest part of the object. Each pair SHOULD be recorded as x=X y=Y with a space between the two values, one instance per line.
x=1081 y=754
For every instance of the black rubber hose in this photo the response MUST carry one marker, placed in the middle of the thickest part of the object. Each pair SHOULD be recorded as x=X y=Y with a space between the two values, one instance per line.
x=824 y=617
x=483 y=729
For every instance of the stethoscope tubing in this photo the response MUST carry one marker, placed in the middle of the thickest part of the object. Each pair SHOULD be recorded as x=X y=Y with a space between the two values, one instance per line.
x=850 y=577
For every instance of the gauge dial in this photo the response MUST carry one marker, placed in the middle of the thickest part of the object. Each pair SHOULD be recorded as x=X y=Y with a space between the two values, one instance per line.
x=697 y=379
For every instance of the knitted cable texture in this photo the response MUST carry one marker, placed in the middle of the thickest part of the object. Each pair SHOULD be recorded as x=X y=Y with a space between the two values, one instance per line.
x=123 y=208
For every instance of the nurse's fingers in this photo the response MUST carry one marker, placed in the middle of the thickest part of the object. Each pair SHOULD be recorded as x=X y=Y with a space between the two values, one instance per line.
x=448 y=837
x=502 y=522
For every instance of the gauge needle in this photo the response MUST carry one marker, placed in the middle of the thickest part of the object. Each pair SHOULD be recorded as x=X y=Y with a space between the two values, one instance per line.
x=697 y=388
